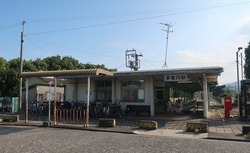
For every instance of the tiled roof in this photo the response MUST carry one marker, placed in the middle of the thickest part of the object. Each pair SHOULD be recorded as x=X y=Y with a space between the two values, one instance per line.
x=68 y=73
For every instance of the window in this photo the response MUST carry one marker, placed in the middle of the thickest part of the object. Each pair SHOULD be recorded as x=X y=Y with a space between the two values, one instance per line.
x=133 y=91
x=104 y=91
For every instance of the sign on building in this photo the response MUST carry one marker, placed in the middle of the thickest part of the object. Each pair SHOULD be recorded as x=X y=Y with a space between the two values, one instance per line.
x=175 y=78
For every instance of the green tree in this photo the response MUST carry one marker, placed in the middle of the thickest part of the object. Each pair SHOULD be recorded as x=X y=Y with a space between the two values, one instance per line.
x=4 y=65
x=218 y=91
x=53 y=62
x=247 y=62
x=69 y=63
x=40 y=64
x=28 y=66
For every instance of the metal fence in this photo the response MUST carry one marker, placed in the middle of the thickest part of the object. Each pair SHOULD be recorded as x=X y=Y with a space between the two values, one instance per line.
x=71 y=116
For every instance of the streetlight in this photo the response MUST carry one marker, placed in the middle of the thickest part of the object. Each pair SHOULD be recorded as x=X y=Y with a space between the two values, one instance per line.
x=238 y=84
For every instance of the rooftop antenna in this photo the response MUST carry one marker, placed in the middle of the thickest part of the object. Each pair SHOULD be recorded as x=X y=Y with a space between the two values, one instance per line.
x=167 y=26
x=132 y=60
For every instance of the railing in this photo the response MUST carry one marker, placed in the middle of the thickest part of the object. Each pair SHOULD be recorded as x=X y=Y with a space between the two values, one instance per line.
x=71 y=116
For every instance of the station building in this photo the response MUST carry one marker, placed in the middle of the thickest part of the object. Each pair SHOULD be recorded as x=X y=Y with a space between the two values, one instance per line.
x=146 y=90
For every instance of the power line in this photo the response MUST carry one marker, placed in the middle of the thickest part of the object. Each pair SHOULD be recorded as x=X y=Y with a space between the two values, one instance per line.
x=140 y=19
x=72 y=49
x=9 y=26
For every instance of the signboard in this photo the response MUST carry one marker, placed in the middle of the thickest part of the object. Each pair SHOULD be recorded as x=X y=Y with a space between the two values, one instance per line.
x=175 y=78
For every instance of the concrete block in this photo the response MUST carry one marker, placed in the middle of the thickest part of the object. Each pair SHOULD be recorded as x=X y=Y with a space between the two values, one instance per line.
x=47 y=123
x=107 y=122
x=146 y=124
x=10 y=118
x=196 y=126
x=245 y=129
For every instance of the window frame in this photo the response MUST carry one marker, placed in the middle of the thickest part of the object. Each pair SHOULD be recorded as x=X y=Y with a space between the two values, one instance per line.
x=133 y=90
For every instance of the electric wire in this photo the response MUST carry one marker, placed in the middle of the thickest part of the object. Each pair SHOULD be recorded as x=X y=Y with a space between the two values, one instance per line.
x=9 y=26
x=73 y=49
x=138 y=19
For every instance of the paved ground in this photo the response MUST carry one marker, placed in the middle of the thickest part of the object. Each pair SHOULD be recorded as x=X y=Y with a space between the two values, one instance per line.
x=169 y=125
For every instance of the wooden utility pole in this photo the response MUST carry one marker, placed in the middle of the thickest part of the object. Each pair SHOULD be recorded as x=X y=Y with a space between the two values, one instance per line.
x=21 y=68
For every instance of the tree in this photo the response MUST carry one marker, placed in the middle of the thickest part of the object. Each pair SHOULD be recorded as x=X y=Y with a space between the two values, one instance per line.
x=247 y=62
x=69 y=63
x=54 y=62
x=218 y=91
x=40 y=64
x=28 y=66
x=4 y=65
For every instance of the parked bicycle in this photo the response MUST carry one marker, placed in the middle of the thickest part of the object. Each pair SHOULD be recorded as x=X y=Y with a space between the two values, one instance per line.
x=101 y=110
x=116 y=110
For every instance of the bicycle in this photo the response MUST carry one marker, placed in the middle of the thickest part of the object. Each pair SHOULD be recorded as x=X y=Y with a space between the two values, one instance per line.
x=101 y=110
x=116 y=110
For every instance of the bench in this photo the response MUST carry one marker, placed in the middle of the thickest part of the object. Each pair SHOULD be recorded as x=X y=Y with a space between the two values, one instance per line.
x=196 y=127
x=138 y=109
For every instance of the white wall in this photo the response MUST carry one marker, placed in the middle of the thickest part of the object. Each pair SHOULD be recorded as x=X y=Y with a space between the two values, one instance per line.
x=69 y=92
x=78 y=92
x=148 y=91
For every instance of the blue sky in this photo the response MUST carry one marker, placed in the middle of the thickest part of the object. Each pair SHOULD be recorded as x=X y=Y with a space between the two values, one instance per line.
x=205 y=32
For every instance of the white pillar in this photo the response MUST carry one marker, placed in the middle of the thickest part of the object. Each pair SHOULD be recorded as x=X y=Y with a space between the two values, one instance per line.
x=205 y=96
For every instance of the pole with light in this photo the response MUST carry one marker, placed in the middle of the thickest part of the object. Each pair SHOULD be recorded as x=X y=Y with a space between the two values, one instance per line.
x=238 y=82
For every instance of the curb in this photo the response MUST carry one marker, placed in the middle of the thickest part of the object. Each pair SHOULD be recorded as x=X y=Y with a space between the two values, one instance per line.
x=91 y=128
x=228 y=139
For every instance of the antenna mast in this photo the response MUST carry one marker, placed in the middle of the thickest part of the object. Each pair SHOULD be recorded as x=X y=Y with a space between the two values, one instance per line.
x=168 y=26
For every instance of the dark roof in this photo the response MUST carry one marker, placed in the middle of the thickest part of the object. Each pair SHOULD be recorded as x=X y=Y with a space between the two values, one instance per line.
x=68 y=73
x=197 y=70
x=196 y=73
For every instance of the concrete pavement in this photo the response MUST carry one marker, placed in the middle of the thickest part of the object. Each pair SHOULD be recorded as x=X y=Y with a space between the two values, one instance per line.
x=171 y=125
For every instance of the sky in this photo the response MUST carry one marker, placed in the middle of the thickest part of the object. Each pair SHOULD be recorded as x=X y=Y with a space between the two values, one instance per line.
x=205 y=32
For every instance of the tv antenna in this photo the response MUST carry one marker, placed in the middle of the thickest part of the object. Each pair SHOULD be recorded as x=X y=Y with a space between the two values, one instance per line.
x=132 y=60
x=167 y=29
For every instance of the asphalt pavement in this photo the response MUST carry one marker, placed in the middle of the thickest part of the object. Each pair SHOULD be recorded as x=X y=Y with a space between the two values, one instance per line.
x=173 y=125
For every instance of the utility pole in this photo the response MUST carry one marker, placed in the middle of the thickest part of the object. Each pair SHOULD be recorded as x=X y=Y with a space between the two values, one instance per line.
x=242 y=73
x=238 y=82
x=21 y=68
x=168 y=25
